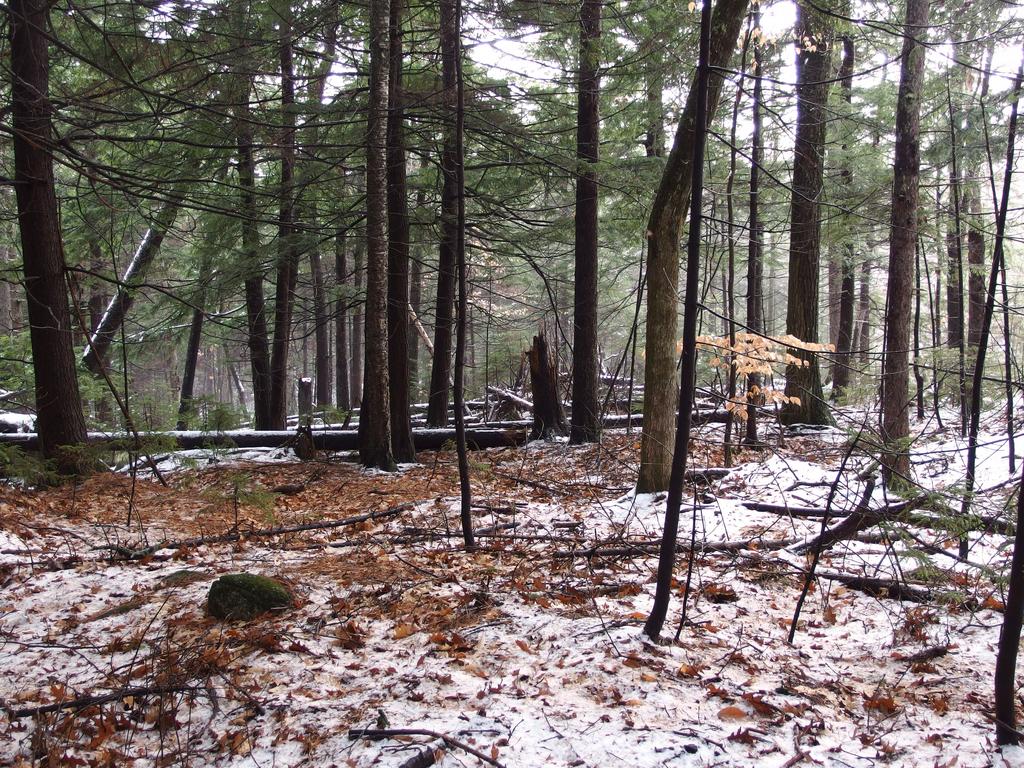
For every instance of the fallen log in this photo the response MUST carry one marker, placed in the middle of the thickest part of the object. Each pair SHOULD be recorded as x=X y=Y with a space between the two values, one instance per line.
x=94 y=700
x=512 y=397
x=901 y=512
x=651 y=547
x=126 y=553
x=378 y=734
x=877 y=587
x=323 y=440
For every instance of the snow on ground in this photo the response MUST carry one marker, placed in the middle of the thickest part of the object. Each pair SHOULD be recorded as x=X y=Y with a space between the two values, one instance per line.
x=530 y=650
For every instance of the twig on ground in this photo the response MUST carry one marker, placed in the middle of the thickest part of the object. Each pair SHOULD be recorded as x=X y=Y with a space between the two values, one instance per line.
x=377 y=734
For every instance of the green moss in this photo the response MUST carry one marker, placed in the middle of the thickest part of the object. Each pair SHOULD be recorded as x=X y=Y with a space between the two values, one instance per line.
x=245 y=596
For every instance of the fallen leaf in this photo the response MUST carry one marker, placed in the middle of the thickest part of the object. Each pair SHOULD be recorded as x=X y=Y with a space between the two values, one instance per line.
x=732 y=712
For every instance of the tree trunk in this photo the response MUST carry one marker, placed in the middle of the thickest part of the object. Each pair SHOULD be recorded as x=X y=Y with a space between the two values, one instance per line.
x=134 y=276
x=415 y=302
x=664 y=227
x=803 y=382
x=341 y=351
x=398 y=249
x=954 y=274
x=548 y=416
x=863 y=340
x=987 y=311
x=375 y=412
x=451 y=35
x=586 y=417
x=975 y=280
x=1009 y=638
x=918 y=376
x=359 y=304
x=440 y=371
x=755 y=261
x=667 y=553
x=288 y=256
x=957 y=268
x=188 y=376
x=902 y=246
x=847 y=269
x=59 y=420
x=255 y=310
x=321 y=326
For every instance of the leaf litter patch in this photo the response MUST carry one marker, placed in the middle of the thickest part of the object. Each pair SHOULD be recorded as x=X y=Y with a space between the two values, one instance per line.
x=529 y=651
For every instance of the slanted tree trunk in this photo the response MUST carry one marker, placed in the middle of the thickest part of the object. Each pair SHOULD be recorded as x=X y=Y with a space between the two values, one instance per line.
x=1013 y=615
x=803 y=382
x=95 y=354
x=59 y=418
x=673 y=504
x=342 y=393
x=988 y=310
x=902 y=245
x=288 y=254
x=666 y=221
x=586 y=417
x=548 y=416
x=375 y=412
x=1009 y=638
x=398 y=249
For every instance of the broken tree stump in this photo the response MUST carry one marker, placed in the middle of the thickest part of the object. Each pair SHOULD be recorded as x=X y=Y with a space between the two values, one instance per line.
x=548 y=416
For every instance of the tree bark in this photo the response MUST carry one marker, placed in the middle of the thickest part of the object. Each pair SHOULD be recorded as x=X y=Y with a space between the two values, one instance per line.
x=95 y=354
x=321 y=326
x=342 y=393
x=188 y=376
x=847 y=268
x=398 y=249
x=415 y=303
x=902 y=247
x=59 y=418
x=358 y=306
x=755 y=260
x=1013 y=615
x=667 y=553
x=803 y=382
x=375 y=412
x=288 y=256
x=255 y=310
x=585 y=423
x=1009 y=638
x=548 y=416
x=452 y=41
x=663 y=230
x=440 y=371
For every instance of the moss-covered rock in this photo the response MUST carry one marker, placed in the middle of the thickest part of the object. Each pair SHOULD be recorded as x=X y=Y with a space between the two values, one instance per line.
x=245 y=596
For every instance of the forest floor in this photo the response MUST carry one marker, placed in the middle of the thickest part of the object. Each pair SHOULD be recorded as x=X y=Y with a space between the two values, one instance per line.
x=529 y=651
